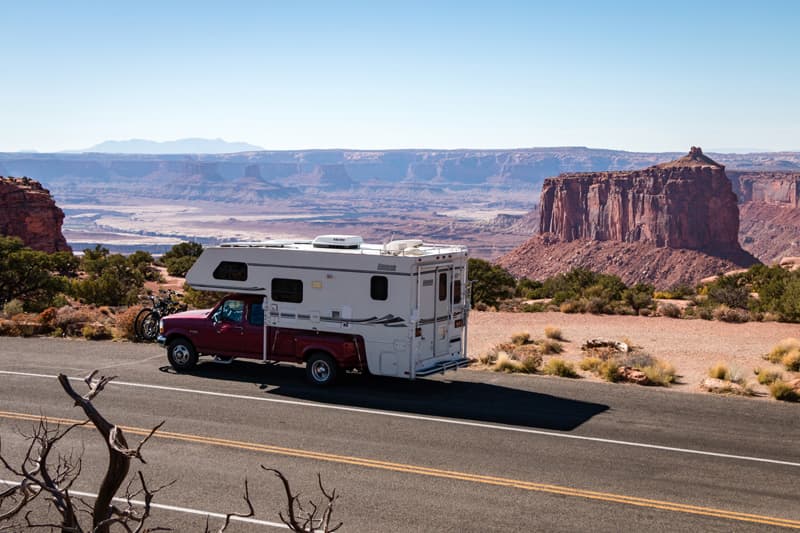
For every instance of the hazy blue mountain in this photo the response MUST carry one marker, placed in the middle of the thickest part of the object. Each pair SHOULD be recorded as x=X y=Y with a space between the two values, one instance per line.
x=180 y=146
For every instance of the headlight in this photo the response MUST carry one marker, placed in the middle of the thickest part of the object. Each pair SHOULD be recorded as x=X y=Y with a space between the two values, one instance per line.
x=161 y=326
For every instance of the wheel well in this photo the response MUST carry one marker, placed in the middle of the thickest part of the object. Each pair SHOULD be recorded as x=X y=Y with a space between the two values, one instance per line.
x=307 y=355
x=174 y=338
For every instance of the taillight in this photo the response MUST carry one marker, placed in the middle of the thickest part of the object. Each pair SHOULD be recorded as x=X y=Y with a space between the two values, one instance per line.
x=459 y=323
x=418 y=332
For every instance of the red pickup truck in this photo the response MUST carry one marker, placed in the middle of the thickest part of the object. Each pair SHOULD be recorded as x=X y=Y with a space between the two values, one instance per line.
x=235 y=328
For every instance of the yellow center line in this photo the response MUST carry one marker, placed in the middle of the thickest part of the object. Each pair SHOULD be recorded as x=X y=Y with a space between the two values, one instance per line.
x=435 y=472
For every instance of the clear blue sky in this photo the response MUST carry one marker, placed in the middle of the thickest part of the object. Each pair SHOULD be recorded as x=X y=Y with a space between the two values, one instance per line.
x=641 y=75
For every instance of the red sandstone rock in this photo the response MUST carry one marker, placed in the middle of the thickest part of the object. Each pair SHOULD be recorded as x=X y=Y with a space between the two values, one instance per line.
x=28 y=211
x=687 y=203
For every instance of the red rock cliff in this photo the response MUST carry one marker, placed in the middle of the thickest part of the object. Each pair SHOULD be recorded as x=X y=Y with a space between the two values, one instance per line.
x=28 y=211
x=687 y=203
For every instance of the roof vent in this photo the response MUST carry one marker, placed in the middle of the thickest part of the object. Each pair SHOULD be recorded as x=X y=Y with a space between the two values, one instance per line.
x=402 y=246
x=347 y=242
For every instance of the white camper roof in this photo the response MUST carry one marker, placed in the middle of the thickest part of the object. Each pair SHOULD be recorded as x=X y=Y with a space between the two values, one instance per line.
x=355 y=245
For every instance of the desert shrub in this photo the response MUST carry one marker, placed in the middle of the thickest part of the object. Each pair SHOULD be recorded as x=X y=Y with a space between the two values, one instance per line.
x=706 y=313
x=180 y=266
x=729 y=314
x=31 y=276
x=552 y=332
x=636 y=359
x=597 y=305
x=792 y=361
x=669 y=310
x=95 y=332
x=678 y=292
x=490 y=283
x=719 y=371
x=536 y=307
x=766 y=376
x=690 y=312
x=124 y=323
x=659 y=373
x=640 y=296
x=780 y=350
x=590 y=363
x=531 y=363
x=559 y=367
x=780 y=390
x=488 y=358
x=200 y=299
x=112 y=279
x=521 y=338
x=550 y=346
x=143 y=262
x=609 y=370
x=731 y=291
x=572 y=306
x=528 y=289
x=13 y=308
x=645 y=312
x=505 y=363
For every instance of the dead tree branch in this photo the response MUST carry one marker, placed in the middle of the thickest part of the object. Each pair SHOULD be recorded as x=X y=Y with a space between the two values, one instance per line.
x=301 y=520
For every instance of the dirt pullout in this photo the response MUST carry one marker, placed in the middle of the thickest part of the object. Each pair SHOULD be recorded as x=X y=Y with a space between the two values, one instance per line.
x=692 y=346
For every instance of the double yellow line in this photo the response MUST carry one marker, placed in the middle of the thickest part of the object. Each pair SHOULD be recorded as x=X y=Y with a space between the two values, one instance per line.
x=446 y=474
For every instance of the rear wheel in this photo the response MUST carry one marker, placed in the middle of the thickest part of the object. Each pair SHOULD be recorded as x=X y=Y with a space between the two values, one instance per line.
x=181 y=355
x=149 y=326
x=321 y=369
x=137 y=323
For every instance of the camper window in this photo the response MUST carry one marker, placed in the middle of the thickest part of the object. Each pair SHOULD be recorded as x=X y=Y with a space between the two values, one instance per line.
x=231 y=270
x=457 y=291
x=442 y=286
x=379 y=287
x=287 y=290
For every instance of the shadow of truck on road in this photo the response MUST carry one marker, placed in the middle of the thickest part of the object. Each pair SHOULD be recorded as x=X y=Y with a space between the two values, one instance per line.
x=440 y=397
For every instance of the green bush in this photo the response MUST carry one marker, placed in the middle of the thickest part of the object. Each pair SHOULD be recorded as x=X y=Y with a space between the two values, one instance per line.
x=32 y=277
x=490 y=283
x=669 y=310
x=179 y=266
x=112 y=279
x=13 y=308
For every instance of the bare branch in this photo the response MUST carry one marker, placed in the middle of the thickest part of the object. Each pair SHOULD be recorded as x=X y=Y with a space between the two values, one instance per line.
x=300 y=520
x=228 y=516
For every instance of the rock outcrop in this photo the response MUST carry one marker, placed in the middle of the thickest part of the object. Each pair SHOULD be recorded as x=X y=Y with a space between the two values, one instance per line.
x=671 y=223
x=29 y=212
x=687 y=203
x=774 y=188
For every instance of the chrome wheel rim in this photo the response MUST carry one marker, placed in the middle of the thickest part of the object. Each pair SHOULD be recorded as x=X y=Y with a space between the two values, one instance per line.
x=181 y=354
x=320 y=371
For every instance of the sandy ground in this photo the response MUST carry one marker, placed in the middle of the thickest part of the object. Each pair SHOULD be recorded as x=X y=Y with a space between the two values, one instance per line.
x=692 y=346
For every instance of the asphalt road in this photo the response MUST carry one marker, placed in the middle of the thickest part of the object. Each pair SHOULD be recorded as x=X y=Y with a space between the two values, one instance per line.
x=468 y=451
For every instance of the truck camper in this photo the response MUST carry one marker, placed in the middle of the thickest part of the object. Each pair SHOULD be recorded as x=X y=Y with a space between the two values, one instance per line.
x=334 y=303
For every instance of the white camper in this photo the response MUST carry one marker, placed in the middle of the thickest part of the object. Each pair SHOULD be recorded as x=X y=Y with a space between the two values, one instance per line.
x=405 y=303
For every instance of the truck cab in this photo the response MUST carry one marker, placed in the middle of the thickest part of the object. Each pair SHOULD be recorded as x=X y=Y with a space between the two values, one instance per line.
x=235 y=328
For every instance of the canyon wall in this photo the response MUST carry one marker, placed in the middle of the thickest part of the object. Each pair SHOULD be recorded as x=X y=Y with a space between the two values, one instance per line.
x=28 y=211
x=687 y=203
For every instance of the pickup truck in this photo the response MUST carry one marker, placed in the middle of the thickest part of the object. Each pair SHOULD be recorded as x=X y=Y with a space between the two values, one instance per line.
x=235 y=328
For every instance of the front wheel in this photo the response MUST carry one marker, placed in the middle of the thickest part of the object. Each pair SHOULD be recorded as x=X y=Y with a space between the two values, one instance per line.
x=321 y=369
x=149 y=326
x=137 y=323
x=181 y=355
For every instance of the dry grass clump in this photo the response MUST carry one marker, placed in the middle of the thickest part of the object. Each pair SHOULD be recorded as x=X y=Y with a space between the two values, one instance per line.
x=559 y=367
x=780 y=390
x=550 y=346
x=521 y=339
x=783 y=348
x=792 y=361
x=95 y=332
x=766 y=376
x=724 y=313
x=669 y=310
x=124 y=323
x=720 y=371
x=609 y=370
x=552 y=332
x=508 y=363
x=660 y=373
x=590 y=363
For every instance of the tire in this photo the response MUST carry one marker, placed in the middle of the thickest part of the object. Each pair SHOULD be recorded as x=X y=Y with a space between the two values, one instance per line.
x=182 y=355
x=137 y=323
x=149 y=326
x=321 y=369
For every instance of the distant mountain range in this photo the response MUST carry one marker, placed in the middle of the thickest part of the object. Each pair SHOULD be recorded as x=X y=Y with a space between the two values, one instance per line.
x=180 y=146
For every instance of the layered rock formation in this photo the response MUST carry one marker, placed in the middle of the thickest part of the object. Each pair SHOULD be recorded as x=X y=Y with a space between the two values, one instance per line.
x=28 y=211
x=687 y=203
x=675 y=222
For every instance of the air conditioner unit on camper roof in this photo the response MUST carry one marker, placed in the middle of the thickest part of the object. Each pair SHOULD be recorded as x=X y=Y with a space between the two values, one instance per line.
x=338 y=241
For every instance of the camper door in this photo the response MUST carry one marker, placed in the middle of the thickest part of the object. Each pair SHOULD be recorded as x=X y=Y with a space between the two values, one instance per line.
x=435 y=312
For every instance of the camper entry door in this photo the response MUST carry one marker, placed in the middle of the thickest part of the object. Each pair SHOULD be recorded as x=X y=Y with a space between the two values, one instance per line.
x=435 y=312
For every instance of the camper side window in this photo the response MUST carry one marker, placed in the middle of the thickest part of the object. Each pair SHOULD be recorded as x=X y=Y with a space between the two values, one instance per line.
x=442 y=286
x=379 y=288
x=231 y=270
x=287 y=290
x=457 y=291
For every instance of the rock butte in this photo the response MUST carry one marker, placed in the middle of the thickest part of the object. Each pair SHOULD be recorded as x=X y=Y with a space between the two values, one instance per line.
x=628 y=223
x=29 y=212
